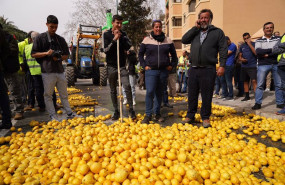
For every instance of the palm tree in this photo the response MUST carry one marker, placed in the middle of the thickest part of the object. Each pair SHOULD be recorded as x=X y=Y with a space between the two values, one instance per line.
x=9 y=27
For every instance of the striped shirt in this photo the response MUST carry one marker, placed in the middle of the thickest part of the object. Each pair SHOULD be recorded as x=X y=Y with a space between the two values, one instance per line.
x=264 y=46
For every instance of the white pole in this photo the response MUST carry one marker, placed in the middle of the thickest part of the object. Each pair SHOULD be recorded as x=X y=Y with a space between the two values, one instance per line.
x=119 y=78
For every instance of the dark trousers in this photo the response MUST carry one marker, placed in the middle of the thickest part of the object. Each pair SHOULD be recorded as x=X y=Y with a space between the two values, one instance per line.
x=200 y=79
x=31 y=89
x=165 y=92
x=39 y=89
x=4 y=102
x=113 y=78
x=229 y=72
x=238 y=82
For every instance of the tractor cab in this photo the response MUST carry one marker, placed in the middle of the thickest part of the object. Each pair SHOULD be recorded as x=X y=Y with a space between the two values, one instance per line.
x=84 y=60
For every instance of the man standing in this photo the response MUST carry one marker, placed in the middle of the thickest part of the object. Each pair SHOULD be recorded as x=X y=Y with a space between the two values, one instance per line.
x=247 y=56
x=279 y=49
x=11 y=67
x=4 y=99
x=132 y=62
x=50 y=49
x=182 y=70
x=267 y=61
x=206 y=42
x=230 y=66
x=110 y=48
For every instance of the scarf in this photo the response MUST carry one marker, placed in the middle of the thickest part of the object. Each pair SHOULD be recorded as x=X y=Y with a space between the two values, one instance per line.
x=159 y=38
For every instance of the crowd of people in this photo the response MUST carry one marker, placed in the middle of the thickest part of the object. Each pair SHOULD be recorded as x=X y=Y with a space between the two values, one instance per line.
x=36 y=61
x=212 y=64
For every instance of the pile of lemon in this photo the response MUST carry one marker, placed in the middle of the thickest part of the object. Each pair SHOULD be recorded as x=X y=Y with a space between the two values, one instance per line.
x=87 y=151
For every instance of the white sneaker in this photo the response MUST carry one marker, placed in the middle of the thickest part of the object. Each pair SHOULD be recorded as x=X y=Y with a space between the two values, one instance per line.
x=267 y=89
x=73 y=115
x=125 y=101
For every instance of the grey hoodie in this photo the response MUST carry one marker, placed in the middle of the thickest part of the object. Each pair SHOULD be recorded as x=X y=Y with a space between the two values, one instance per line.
x=206 y=54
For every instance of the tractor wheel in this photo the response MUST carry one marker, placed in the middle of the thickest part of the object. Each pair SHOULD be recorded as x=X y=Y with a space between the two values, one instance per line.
x=96 y=77
x=103 y=76
x=69 y=72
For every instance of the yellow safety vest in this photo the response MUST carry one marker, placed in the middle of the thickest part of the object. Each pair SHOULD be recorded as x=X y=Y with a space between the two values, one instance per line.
x=21 y=46
x=282 y=54
x=34 y=66
x=181 y=61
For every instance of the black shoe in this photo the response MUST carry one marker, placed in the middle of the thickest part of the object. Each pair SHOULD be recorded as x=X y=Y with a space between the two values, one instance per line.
x=158 y=118
x=229 y=98
x=256 y=106
x=245 y=99
x=280 y=106
x=6 y=126
x=116 y=115
x=168 y=105
x=239 y=95
x=133 y=114
x=146 y=120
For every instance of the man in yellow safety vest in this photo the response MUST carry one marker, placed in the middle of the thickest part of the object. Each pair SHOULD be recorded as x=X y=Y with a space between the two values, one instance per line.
x=279 y=48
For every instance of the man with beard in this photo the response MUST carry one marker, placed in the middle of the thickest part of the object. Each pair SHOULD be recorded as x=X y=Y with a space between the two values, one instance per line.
x=207 y=41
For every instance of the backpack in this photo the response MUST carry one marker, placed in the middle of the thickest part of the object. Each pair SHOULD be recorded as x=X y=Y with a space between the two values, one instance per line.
x=11 y=63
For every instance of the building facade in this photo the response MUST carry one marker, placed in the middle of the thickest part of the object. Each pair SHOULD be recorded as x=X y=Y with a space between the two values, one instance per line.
x=234 y=17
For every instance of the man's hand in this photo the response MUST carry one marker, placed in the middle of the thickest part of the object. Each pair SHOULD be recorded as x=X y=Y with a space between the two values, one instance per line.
x=221 y=71
x=197 y=24
x=243 y=60
x=147 y=68
x=248 y=41
x=265 y=56
x=117 y=34
x=169 y=68
x=49 y=52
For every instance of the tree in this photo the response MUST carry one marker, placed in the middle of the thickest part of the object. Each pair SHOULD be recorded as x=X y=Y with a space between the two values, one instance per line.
x=136 y=13
x=9 y=27
x=88 y=12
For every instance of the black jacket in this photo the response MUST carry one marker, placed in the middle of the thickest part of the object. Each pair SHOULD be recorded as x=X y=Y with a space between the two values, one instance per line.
x=4 y=49
x=206 y=54
x=132 y=62
x=11 y=64
x=110 y=48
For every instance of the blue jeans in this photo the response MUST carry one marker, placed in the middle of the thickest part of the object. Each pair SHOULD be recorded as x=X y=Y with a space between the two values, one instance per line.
x=154 y=81
x=182 y=75
x=221 y=82
x=262 y=72
x=229 y=72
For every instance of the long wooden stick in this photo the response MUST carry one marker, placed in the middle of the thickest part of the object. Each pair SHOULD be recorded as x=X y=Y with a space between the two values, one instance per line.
x=119 y=78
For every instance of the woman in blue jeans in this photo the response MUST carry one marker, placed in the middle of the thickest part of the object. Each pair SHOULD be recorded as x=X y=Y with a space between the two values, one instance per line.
x=154 y=58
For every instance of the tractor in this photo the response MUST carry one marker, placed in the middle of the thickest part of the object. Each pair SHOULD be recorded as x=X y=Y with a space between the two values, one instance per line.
x=84 y=60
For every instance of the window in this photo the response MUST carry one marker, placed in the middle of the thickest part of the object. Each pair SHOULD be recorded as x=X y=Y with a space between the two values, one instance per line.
x=192 y=5
x=176 y=21
x=176 y=1
x=177 y=44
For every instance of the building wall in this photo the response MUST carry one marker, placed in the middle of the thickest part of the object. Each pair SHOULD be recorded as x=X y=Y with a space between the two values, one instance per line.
x=234 y=16
x=252 y=17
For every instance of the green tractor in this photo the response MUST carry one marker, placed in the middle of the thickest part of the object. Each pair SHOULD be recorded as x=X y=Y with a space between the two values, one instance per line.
x=84 y=62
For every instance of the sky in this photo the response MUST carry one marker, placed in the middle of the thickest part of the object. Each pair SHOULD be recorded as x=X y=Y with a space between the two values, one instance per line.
x=31 y=15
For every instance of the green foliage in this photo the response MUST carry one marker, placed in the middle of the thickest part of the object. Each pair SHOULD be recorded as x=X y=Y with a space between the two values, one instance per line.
x=12 y=29
x=136 y=14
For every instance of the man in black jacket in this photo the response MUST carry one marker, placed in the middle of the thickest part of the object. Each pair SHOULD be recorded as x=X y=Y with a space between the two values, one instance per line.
x=110 y=48
x=4 y=99
x=206 y=42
